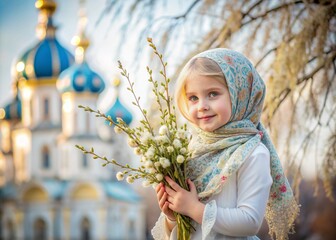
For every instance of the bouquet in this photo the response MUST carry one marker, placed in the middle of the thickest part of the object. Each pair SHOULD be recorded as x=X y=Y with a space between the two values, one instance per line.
x=163 y=151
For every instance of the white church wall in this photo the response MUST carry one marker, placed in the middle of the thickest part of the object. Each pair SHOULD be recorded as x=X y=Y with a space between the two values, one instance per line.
x=51 y=93
x=22 y=145
x=34 y=212
x=41 y=139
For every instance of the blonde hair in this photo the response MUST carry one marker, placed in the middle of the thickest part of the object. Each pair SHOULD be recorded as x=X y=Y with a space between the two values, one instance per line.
x=196 y=66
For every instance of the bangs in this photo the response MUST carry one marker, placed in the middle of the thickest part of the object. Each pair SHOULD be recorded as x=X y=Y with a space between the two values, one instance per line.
x=200 y=67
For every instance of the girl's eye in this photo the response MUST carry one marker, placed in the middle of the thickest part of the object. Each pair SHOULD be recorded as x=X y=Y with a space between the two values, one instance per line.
x=193 y=98
x=213 y=94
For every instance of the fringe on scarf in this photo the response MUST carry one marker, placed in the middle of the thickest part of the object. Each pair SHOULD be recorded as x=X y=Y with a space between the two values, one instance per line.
x=281 y=218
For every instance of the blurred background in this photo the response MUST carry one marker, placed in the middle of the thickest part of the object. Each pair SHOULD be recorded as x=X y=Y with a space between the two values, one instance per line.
x=56 y=55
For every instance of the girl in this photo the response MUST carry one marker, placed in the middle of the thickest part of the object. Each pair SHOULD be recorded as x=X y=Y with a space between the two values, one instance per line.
x=235 y=175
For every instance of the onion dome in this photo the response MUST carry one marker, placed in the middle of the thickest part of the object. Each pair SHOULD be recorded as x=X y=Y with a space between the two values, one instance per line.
x=12 y=110
x=48 y=58
x=80 y=77
x=118 y=110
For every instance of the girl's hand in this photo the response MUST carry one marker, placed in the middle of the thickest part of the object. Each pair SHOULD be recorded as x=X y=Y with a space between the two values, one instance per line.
x=163 y=203
x=183 y=201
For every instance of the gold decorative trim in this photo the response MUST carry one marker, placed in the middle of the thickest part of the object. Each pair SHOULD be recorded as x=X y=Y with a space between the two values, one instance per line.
x=71 y=95
x=29 y=68
x=55 y=59
x=37 y=82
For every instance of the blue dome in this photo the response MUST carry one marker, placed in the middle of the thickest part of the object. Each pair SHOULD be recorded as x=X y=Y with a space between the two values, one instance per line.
x=47 y=59
x=118 y=110
x=80 y=78
x=12 y=110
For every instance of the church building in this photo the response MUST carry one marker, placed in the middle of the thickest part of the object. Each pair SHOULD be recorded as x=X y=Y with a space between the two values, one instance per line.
x=49 y=189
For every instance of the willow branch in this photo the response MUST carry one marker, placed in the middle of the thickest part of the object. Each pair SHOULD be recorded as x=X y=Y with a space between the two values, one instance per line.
x=286 y=5
x=247 y=13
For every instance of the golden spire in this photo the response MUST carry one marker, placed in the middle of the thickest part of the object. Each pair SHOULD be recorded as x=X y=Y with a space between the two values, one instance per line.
x=48 y=6
x=115 y=82
x=80 y=40
x=45 y=25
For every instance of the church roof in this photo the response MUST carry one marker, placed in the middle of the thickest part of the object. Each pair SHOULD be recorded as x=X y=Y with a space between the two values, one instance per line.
x=80 y=78
x=11 y=110
x=9 y=191
x=56 y=190
x=121 y=191
x=47 y=59
x=119 y=111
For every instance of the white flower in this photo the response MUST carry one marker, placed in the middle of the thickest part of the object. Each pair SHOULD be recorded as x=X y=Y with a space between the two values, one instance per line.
x=162 y=139
x=162 y=160
x=183 y=150
x=120 y=176
x=180 y=159
x=177 y=143
x=143 y=159
x=137 y=151
x=165 y=163
x=150 y=153
x=170 y=149
x=146 y=136
x=117 y=130
x=148 y=164
x=163 y=130
x=159 y=177
x=152 y=170
x=120 y=120
x=154 y=185
x=181 y=133
x=157 y=164
x=132 y=143
x=146 y=183
x=130 y=179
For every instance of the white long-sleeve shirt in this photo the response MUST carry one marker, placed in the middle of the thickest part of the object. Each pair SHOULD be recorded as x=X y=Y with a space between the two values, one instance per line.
x=238 y=211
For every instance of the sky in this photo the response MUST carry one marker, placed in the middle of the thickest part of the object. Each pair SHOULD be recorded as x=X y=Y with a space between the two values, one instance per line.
x=18 y=20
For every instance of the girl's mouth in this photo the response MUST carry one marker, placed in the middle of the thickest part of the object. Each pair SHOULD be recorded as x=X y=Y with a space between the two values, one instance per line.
x=206 y=118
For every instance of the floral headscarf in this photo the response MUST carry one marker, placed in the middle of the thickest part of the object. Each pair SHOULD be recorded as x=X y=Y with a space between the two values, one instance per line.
x=237 y=139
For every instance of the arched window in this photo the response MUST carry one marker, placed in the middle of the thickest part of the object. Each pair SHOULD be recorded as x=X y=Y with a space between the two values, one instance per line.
x=75 y=122
x=85 y=229
x=132 y=231
x=46 y=109
x=65 y=160
x=88 y=124
x=31 y=107
x=45 y=157
x=85 y=162
x=40 y=229
x=11 y=230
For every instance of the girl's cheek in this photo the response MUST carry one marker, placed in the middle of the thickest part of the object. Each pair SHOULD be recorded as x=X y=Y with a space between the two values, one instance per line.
x=191 y=110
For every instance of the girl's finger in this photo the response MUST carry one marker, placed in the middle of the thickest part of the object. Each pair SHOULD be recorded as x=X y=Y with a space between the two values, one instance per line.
x=170 y=199
x=170 y=191
x=173 y=184
x=163 y=200
x=160 y=194
x=165 y=208
x=192 y=186
x=158 y=187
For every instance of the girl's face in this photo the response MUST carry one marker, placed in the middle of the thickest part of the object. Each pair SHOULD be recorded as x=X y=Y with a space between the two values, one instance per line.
x=208 y=102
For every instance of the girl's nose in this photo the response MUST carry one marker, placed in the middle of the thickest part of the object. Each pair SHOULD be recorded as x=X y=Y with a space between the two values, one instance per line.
x=203 y=105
